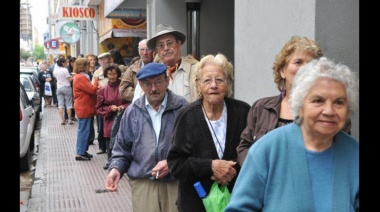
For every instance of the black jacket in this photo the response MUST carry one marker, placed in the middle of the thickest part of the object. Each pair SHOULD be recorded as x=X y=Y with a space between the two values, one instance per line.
x=193 y=149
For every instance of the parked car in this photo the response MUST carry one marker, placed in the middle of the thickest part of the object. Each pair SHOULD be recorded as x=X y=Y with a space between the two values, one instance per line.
x=33 y=94
x=27 y=127
x=33 y=71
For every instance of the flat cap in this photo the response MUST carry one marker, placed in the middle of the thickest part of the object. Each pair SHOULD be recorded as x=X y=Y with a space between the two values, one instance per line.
x=105 y=54
x=151 y=70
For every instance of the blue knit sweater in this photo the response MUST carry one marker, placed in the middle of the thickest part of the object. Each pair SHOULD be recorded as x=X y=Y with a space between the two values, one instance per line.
x=274 y=176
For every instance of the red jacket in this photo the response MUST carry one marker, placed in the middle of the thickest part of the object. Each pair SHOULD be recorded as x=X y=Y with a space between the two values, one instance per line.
x=109 y=95
x=84 y=96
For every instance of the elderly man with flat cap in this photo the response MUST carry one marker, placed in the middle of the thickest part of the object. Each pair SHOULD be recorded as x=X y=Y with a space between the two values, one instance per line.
x=143 y=141
x=104 y=59
x=167 y=43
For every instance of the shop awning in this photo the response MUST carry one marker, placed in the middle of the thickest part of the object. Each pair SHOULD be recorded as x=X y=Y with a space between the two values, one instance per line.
x=119 y=33
x=105 y=36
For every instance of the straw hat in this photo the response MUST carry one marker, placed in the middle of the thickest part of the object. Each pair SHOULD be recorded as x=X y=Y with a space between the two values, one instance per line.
x=164 y=29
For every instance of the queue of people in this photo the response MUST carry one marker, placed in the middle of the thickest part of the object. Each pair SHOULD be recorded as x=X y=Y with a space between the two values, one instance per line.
x=181 y=125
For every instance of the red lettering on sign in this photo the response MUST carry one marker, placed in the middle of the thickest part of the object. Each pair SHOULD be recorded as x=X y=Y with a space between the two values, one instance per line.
x=70 y=12
x=64 y=12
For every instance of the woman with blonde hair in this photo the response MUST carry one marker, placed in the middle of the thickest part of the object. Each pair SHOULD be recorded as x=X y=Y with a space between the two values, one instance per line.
x=84 y=105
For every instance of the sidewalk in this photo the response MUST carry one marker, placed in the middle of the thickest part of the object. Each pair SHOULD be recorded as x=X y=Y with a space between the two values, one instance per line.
x=63 y=184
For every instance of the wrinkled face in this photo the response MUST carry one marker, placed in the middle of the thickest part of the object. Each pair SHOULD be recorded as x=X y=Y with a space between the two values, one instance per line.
x=297 y=59
x=104 y=61
x=325 y=108
x=168 y=49
x=213 y=84
x=155 y=88
x=43 y=67
x=112 y=75
x=145 y=53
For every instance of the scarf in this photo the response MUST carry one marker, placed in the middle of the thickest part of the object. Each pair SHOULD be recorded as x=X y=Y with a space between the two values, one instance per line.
x=173 y=68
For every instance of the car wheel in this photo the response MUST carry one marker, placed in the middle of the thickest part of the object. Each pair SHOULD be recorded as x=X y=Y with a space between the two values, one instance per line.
x=37 y=118
x=24 y=162
x=31 y=143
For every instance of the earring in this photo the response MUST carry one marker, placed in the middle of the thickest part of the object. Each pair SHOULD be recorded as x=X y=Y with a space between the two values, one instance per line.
x=283 y=88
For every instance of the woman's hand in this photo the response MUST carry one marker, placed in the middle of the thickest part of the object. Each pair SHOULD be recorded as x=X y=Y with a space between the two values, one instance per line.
x=114 y=108
x=223 y=171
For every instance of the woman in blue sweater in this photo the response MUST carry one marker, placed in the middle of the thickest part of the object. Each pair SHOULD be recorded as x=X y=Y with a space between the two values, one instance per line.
x=309 y=165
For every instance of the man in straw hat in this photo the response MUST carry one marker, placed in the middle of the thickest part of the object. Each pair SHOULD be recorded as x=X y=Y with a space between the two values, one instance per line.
x=167 y=43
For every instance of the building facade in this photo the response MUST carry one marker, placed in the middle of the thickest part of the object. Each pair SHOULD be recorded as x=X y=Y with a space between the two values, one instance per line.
x=26 y=27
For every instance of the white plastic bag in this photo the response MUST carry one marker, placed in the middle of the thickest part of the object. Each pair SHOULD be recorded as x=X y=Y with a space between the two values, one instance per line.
x=48 y=91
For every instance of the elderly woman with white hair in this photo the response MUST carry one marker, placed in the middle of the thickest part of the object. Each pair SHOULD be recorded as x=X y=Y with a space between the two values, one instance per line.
x=311 y=164
x=206 y=134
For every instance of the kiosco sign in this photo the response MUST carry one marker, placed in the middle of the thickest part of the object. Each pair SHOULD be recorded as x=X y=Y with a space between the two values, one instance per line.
x=77 y=13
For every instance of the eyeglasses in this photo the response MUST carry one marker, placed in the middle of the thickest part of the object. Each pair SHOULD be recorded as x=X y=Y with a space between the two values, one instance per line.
x=146 y=50
x=218 y=81
x=161 y=46
x=148 y=85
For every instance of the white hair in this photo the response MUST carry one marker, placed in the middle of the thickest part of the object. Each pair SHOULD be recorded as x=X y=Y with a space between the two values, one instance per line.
x=307 y=76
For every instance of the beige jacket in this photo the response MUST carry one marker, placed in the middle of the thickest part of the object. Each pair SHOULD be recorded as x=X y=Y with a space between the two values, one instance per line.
x=183 y=83
x=129 y=81
x=99 y=73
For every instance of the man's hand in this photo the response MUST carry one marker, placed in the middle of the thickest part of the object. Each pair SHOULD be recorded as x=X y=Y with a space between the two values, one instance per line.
x=112 y=180
x=160 y=170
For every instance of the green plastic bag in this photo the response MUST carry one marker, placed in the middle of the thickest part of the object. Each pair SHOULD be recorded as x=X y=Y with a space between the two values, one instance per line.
x=217 y=199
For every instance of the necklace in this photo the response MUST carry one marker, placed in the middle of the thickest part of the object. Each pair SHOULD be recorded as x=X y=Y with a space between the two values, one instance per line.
x=216 y=137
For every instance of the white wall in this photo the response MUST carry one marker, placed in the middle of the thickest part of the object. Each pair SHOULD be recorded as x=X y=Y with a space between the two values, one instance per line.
x=261 y=30
x=337 y=31
x=171 y=12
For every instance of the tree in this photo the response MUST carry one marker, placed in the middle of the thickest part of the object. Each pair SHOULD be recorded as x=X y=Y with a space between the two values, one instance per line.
x=39 y=52
x=24 y=54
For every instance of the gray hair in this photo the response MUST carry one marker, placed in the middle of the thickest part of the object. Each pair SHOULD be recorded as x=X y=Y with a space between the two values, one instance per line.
x=307 y=76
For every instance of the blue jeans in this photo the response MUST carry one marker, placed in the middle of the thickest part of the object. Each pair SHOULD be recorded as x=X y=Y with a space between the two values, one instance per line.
x=83 y=134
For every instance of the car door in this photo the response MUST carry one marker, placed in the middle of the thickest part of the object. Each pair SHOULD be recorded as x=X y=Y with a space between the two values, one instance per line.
x=27 y=122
